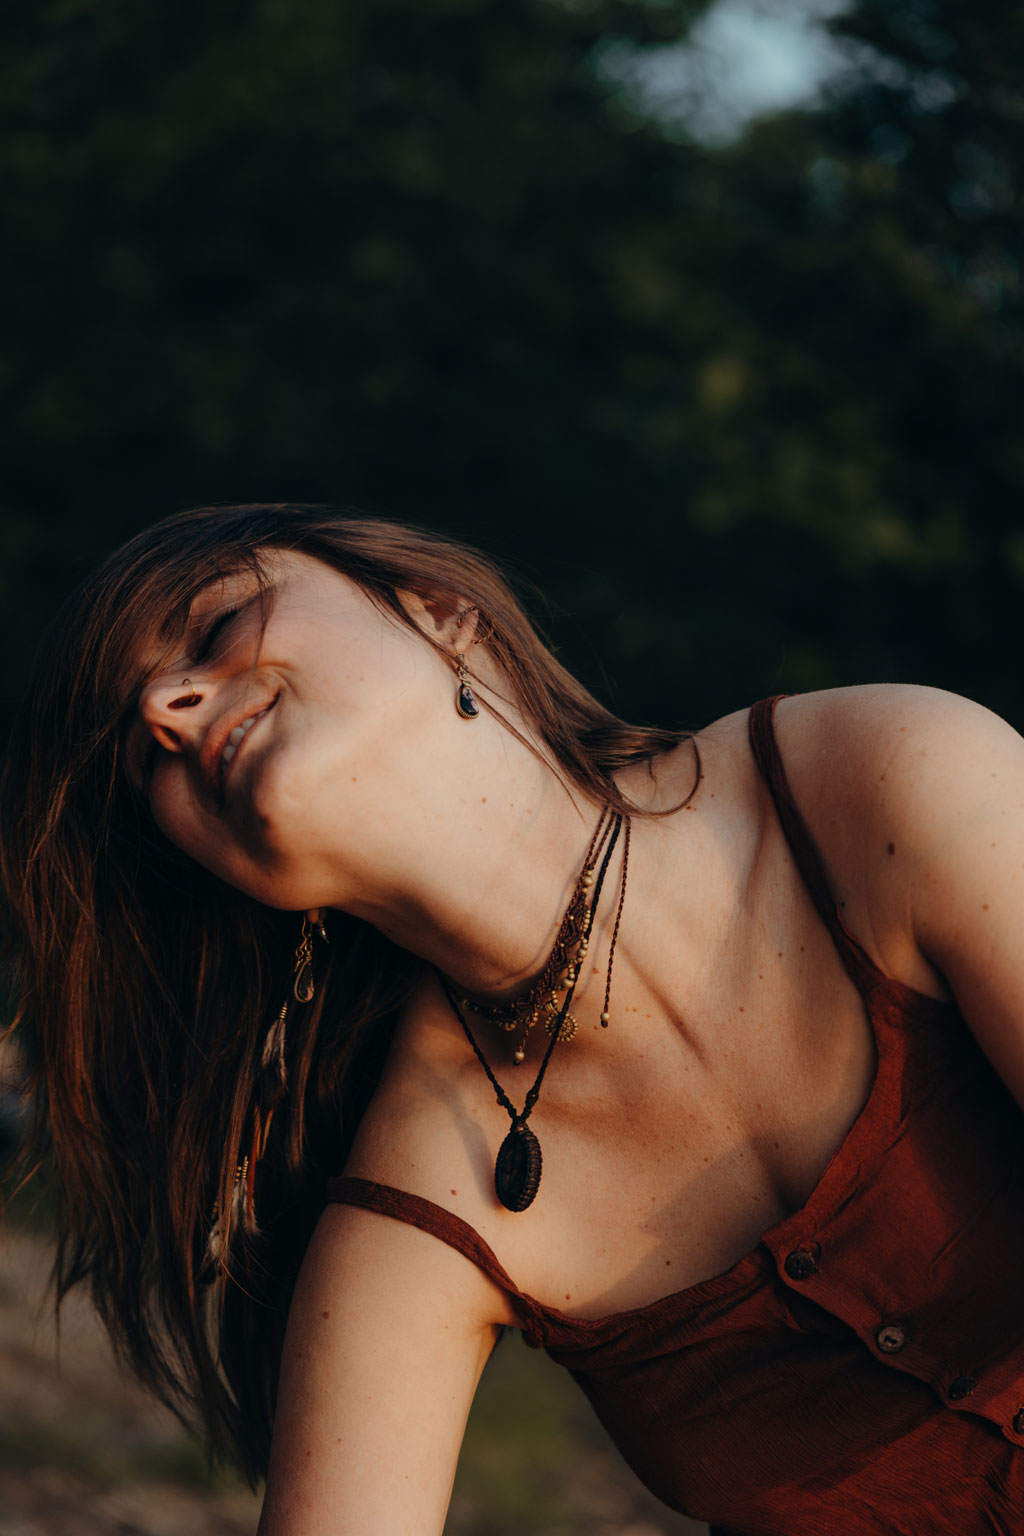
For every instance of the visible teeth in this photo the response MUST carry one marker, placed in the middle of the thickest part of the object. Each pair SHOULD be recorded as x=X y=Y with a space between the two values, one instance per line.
x=236 y=736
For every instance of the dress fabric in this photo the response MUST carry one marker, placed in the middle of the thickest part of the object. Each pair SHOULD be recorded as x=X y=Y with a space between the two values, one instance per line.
x=861 y=1371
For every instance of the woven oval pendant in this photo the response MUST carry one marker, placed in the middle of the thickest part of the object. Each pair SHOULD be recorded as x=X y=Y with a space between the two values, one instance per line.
x=517 y=1169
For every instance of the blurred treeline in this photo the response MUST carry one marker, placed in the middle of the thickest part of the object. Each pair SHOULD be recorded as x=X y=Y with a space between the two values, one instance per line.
x=748 y=415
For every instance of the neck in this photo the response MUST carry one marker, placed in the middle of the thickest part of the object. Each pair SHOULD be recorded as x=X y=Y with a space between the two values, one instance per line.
x=483 y=897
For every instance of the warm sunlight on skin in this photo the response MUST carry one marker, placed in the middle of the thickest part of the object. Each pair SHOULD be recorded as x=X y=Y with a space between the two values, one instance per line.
x=351 y=786
x=742 y=984
x=331 y=686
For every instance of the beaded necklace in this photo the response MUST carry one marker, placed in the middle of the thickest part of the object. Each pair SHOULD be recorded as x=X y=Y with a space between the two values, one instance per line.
x=517 y=1168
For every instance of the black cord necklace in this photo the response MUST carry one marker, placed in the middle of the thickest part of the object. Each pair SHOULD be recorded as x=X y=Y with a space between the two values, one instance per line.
x=517 y=1167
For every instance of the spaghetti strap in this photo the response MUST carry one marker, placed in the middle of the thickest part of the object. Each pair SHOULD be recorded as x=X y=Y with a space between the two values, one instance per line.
x=862 y=970
x=415 y=1211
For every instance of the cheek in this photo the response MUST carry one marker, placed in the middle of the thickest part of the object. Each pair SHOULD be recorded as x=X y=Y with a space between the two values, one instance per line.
x=267 y=841
x=208 y=840
x=175 y=811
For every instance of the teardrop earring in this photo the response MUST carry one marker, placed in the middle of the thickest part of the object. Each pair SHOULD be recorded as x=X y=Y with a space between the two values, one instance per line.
x=304 y=986
x=465 y=698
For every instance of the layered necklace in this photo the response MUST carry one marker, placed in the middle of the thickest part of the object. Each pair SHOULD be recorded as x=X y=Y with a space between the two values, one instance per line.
x=517 y=1168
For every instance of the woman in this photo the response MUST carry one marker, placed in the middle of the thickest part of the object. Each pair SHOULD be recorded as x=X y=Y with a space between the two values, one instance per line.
x=765 y=1203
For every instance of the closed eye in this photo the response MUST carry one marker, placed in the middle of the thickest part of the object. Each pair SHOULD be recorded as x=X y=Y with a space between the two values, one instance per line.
x=213 y=633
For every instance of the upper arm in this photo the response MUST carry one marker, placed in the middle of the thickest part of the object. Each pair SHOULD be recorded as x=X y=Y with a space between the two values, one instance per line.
x=926 y=810
x=964 y=832
x=388 y=1333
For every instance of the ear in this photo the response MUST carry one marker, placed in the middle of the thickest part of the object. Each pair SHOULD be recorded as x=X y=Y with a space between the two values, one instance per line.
x=448 y=620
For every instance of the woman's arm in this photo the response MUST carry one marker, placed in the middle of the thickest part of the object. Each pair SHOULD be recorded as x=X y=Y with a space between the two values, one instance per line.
x=917 y=799
x=388 y=1333
x=964 y=832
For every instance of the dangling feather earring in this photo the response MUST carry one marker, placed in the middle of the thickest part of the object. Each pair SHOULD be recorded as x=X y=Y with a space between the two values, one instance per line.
x=271 y=1088
x=240 y=1216
x=272 y=1080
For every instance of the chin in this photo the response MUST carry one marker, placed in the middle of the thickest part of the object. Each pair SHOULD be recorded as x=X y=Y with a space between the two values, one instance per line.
x=275 y=890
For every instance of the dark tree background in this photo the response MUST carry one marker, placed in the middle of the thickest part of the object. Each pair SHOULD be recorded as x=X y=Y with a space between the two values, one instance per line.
x=746 y=415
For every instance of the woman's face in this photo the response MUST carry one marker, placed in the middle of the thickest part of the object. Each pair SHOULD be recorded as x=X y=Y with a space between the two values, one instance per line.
x=287 y=759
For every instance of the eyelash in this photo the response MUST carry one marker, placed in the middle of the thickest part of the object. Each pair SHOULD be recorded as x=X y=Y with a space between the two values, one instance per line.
x=213 y=632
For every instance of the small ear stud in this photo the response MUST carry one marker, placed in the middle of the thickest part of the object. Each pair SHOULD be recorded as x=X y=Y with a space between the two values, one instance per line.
x=465 y=698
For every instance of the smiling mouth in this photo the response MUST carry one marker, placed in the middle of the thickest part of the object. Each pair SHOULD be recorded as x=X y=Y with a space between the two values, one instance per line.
x=238 y=735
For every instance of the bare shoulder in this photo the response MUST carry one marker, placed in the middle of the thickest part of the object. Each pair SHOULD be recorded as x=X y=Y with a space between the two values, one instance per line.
x=884 y=750
x=881 y=708
x=841 y=745
x=897 y=782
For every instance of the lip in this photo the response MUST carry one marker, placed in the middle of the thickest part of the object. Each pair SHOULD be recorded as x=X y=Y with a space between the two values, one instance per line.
x=212 y=770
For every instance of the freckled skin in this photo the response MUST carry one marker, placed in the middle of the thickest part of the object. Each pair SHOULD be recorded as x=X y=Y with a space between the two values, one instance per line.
x=337 y=785
x=328 y=711
x=341 y=795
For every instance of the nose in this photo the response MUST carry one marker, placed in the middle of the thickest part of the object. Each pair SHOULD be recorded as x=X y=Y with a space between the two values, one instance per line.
x=167 y=709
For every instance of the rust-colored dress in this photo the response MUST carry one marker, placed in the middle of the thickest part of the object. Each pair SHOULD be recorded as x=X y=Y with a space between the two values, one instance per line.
x=862 y=1369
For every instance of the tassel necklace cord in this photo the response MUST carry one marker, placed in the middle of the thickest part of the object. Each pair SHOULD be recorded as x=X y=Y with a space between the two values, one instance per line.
x=518 y=1166
x=524 y=1011
x=616 y=925
x=534 y=1092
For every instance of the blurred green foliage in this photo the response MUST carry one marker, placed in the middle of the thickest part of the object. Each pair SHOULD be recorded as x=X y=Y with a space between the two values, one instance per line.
x=748 y=416
x=99 y=1449
x=534 y=1457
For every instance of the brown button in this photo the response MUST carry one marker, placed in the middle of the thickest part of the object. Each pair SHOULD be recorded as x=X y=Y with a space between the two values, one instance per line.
x=890 y=1338
x=1018 y=1422
x=800 y=1264
x=961 y=1387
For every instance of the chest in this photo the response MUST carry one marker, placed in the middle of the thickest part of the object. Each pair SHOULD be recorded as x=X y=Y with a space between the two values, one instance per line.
x=708 y=1126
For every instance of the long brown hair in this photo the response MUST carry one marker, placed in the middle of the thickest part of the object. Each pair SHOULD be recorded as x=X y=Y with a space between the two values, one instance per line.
x=144 y=986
